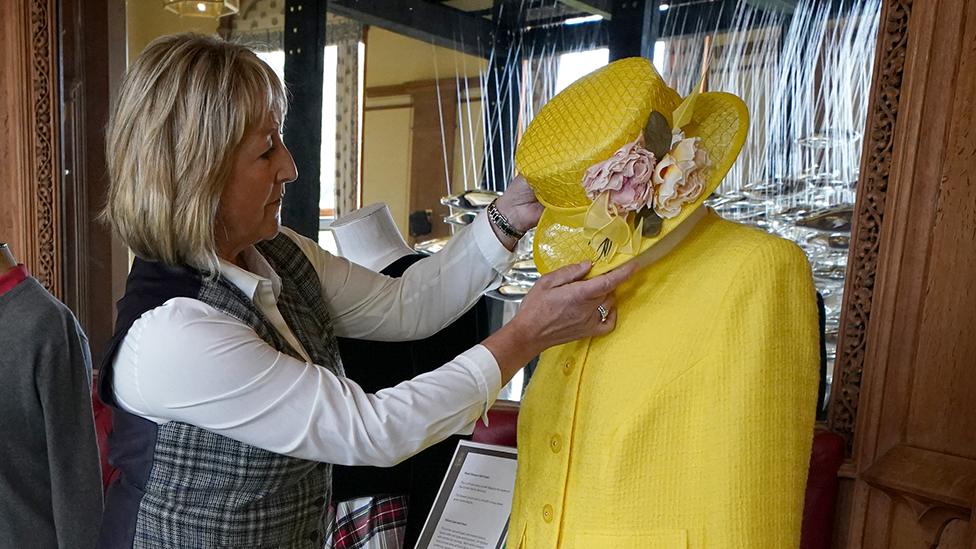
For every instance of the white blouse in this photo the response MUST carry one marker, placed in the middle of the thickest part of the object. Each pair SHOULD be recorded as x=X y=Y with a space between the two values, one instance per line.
x=186 y=361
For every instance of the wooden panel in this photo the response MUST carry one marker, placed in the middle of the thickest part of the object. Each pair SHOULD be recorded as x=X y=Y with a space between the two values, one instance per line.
x=434 y=124
x=930 y=478
x=909 y=319
x=52 y=170
x=29 y=166
x=14 y=170
x=955 y=535
x=876 y=163
x=94 y=262
x=386 y=160
x=943 y=391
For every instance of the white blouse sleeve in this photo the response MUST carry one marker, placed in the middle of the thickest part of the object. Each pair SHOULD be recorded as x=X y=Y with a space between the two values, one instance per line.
x=431 y=294
x=199 y=366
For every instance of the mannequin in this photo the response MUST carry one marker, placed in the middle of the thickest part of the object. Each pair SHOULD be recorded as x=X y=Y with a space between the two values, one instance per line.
x=370 y=238
x=48 y=454
x=11 y=273
x=689 y=425
x=7 y=260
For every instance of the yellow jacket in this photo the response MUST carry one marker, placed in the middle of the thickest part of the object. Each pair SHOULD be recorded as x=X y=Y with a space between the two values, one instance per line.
x=690 y=425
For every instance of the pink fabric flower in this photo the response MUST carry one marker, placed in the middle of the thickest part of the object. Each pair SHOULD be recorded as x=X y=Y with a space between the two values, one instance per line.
x=626 y=176
x=679 y=177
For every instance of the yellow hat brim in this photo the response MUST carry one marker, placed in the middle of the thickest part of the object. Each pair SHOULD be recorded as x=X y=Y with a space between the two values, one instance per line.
x=720 y=119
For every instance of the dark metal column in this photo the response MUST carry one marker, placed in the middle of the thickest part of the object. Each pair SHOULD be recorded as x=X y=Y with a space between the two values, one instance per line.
x=634 y=28
x=304 y=45
x=503 y=94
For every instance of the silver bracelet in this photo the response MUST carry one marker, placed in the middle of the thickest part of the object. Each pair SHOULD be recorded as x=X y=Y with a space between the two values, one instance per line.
x=502 y=222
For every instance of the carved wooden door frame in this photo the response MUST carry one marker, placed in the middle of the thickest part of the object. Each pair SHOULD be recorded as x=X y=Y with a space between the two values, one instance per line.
x=60 y=59
x=893 y=396
x=869 y=217
x=30 y=205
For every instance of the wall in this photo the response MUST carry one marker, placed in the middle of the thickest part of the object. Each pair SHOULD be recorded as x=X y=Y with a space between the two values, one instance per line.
x=147 y=20
x=393 y=59
x=386 y=160
x=395 y=67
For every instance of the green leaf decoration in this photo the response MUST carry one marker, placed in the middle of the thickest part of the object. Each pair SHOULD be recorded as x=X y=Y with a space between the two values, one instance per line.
x=652 y=222
x=657 y=135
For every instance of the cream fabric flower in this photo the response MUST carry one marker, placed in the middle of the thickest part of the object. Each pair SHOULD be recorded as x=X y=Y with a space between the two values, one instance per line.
x=626 y=176
x=679 y=178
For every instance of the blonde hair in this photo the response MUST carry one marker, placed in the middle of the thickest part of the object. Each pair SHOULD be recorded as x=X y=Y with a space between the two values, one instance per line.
x=183 y=109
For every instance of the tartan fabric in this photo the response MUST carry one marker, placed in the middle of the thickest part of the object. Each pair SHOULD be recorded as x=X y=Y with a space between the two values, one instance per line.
x=207 y=490
x=367 y=523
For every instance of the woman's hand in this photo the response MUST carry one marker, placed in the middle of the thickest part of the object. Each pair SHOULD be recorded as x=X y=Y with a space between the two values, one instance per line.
x=520 y=205
x=561 y=307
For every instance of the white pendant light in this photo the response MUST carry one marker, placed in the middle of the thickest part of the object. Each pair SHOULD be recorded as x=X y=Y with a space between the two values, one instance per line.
x=202 y=8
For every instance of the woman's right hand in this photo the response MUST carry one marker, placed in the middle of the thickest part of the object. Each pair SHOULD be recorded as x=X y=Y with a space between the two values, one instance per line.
x=560 y=307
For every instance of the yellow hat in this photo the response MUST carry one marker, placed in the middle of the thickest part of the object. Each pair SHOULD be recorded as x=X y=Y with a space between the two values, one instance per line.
x=585 y=124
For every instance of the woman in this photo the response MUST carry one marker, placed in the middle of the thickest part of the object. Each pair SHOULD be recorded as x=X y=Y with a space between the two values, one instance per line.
x=230 y=398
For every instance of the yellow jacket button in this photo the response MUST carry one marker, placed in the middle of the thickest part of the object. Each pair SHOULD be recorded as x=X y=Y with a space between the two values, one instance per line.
x=555 y=443
x=547 y=513
x=568 y=367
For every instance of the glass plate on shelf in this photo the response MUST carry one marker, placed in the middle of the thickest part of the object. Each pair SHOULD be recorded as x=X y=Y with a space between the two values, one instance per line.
x=510 y=291
x=833 y=302
x=718 y=200
x=828 y=138
x=524 y=270
x=829 y=271
x=832 y=220
x=742 y=211
x=471 y=199
x=461 y=218
x=771 y=188
x=789 y=214
x=833 y=241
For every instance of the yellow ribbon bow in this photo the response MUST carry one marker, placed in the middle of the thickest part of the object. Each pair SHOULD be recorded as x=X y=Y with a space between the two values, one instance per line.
x=610 y=233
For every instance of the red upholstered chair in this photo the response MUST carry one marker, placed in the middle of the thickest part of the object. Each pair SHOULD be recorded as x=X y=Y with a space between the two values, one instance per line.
x=821 y=496
x=103 y=427
x=502 y=423
x=819 y=501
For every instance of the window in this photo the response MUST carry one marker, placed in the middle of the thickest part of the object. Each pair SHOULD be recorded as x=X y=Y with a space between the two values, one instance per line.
x=327 y=176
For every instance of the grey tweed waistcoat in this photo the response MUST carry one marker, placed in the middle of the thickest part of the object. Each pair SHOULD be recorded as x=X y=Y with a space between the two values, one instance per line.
x=183 y=486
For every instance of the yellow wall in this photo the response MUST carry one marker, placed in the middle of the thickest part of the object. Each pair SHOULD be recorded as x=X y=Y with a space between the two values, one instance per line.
x=146 y=20
x=468 y=147
x=386 y=161
x=391 y=60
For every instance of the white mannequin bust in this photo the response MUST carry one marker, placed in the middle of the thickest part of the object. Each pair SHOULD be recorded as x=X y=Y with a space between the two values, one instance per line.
x=369 y=237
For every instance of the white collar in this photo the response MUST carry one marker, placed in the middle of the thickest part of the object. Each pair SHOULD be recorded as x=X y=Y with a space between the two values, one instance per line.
x=248 y=281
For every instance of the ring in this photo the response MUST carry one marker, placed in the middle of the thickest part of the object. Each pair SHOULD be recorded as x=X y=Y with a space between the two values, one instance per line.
x=604 y=313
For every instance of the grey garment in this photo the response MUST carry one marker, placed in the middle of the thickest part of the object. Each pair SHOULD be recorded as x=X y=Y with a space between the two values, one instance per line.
x=50 y=478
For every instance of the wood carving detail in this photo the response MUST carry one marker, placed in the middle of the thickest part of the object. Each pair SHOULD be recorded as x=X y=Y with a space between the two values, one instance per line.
x=869 y=216
x=45 y=145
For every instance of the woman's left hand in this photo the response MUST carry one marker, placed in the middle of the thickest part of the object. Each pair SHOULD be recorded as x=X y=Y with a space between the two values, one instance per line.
x=520 y=205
